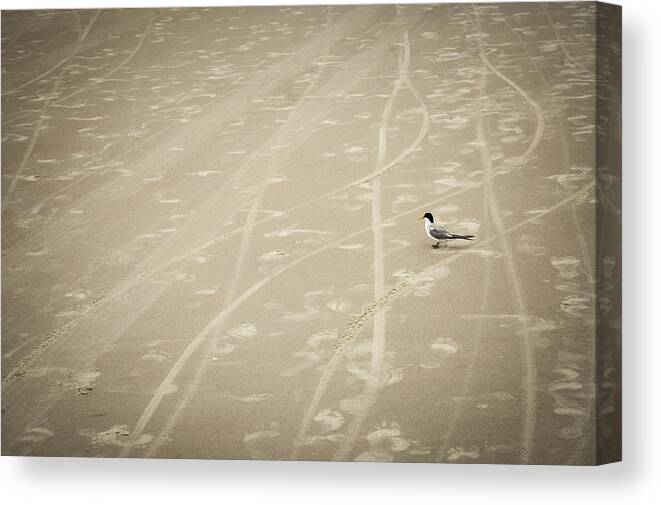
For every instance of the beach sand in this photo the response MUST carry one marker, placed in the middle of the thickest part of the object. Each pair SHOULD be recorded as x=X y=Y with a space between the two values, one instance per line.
x=210 y=243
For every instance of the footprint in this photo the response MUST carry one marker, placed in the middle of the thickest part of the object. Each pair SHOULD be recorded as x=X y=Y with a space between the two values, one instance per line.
x=290 y=231
x=458 y=453
x=608 y=264
x=242 y=332
x=468 y=226
x=184 y=277
x=570 y=411
x=155 y=356
x=262 y=443
x=352 y=405
x=570 y=432
x=483 y=399
x=385 y=442
x=575 y=306
x=36 y=435
x=41 y=252
x=82 y=383
x=276 y=179
x=121 y=436
x=207 y=292
x=444 y=346
x=329 y=420
x=421 y=284
x=391 y=375
x=251 y=398
x=572 y=180
x=204 y=173
x=566 y=386
x=536 y=326
x=276 y=254
x=568 y=373
x=566 y=266
x=357 y=154
x=338 y=306
x=222 y=350
x=322 y=337
x=78 y=294
x=569 y=287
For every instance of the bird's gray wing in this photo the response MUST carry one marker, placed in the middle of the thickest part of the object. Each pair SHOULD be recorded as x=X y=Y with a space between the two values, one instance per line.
x=438 y=232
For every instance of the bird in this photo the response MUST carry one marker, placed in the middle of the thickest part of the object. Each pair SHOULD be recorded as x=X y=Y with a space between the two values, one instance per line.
x=438 y=233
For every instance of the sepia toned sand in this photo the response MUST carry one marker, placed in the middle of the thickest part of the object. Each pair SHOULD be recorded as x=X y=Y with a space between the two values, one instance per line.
x=210 y=244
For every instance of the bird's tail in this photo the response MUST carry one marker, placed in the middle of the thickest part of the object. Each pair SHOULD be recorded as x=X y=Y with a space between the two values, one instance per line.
x=463 y=237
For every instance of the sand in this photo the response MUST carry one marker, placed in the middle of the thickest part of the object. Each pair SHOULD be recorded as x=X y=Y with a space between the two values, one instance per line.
x=210 y=246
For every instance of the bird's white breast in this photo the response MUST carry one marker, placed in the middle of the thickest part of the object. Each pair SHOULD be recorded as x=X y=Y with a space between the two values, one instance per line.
x=428 y=228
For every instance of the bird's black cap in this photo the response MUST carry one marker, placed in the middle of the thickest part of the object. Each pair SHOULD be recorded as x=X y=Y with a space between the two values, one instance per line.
x=429 y=216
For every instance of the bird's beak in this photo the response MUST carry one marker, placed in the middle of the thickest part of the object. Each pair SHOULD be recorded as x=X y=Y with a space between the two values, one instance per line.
x=421 y=217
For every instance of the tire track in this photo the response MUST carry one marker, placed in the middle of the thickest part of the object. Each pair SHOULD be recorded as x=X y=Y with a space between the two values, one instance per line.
x=121 y=65
x=63 y=61
x=342 y=80
x=39 y=229
x=468 y=377
x=547 y=84
x=472 y=360
x=374 y=379
x=579 y=449
x=323 y=43
x=79 y=23
x=246 y=238
x=163 y=388
x=529 y=420
x=380 y=325
x=457 y=410
x=362 y=180
x=570 y=59
x=229 y=105
x=100 y=80
x=23 y=57
x=28 y=152
x=357 y=182
x=13 y=40
x=357 y=322
x=14 y=395
x=587 y=423
x=539 y=131
x=269 y=78
x=123 y=288
x=530 y=372
x=49 y=102
x=248 y=227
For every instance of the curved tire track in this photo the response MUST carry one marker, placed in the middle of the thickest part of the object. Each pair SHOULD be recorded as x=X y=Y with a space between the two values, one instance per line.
x=312 y=50
x=374 y=380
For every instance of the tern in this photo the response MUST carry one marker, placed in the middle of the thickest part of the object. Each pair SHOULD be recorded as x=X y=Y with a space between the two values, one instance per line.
x=438 y=233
